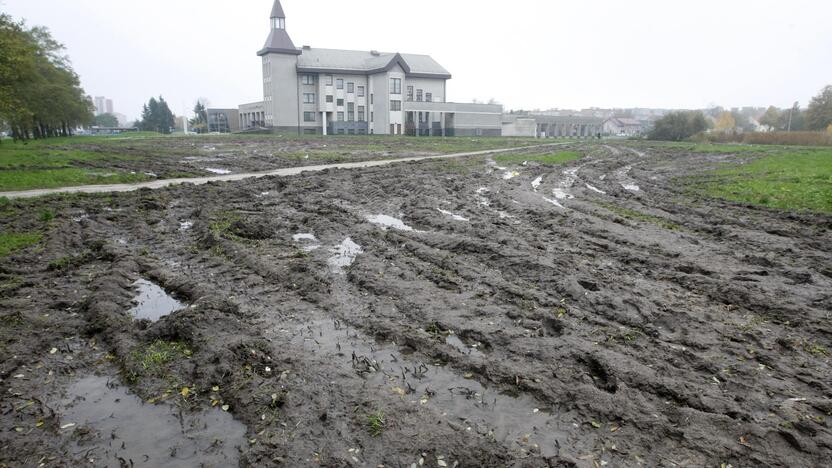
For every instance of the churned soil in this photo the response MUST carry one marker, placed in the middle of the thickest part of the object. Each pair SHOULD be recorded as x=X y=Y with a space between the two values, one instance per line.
x=465 y=312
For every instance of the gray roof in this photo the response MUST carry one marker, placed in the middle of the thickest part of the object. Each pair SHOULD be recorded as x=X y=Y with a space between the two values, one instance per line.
x=277 y=10
x=279 y=42
x=365 y=63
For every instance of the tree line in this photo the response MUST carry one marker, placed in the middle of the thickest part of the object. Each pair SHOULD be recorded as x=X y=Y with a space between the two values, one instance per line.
x=681 y=125
x=40 y=94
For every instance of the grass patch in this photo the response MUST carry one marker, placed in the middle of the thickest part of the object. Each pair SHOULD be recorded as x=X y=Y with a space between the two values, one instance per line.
x=797 y=180
x=375 y=423
x=549 y=158
x=639 y=216
x=154 y=358
x=26 y=179
x=10 y=242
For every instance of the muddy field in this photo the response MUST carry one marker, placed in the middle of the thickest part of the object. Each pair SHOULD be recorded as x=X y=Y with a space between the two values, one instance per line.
x=174 y=157
x=465 y=312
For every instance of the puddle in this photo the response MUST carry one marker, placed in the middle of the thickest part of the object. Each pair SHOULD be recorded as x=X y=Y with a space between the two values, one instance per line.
x=389 y=222
x=602 y=177
x=562 y=194
x=463 y=348
x=554 y=202
x=631 y=187
x=453 y=216
x=215 y=170
x=627 y=183
x=126 y=431
x=186 y=225
x=596 y=189
x=344 y=255
x=481 y=198
x=515 y=421
x=510 y=175
x=536 y=183
x=153 y=302
x=304 y=237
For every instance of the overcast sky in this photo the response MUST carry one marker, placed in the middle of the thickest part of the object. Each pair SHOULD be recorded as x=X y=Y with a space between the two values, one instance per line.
x=523 y=53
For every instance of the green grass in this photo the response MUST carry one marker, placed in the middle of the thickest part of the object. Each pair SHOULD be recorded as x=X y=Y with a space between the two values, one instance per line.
x=549 y=158
x=791 y=179
x=375 y=423
x=28 y=179
x=154 y=358
x=10 y=242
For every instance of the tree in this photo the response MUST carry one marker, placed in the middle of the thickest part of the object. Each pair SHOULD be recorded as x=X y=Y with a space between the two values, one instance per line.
x=829 y=129
x=40 y=94
x=106 y=120
x=726 y=122
x=793 y=119
x=678 y=126
x=771 y=118
x=157 y=116
x=819 y=114
x=199 y=123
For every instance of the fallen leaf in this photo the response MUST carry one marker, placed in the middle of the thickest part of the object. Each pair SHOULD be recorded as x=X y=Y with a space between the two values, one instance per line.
x=39 y=423
x=53 y=350
x=215 y=388
x=595 y=424
x=185 y=392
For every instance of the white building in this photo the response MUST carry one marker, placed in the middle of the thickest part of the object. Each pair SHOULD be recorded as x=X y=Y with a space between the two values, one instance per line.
x=328 y=91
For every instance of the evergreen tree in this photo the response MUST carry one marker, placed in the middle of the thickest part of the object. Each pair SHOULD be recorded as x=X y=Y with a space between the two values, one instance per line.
x=157 y=116
x=199 y=123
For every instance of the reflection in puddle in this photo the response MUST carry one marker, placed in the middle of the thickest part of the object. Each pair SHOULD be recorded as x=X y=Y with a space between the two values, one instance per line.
x=389 y=222
x=185 y=225
x=516 y=421
x=596 y=189
x=304 y=237
x=631 y=187
x=536 y=183
x=510 y=175
x=344 y=255
x=218 y=171
x=152 y=302
x=554 y=202
x=562 y=194
x=453 y=216
x=123 y=428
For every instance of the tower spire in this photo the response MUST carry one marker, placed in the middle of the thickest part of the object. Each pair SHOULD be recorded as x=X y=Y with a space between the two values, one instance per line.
x=278 y=17
x=278 y=41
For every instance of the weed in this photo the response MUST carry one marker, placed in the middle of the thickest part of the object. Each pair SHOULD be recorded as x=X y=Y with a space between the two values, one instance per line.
x=815 y=349
x=550 y=158
x=639 y=216
x=11 y=242
x=375 y=423
x=154 y=358
x=47 y=216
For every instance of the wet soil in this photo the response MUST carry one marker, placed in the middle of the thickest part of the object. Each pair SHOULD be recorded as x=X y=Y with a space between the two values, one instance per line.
x=433 y=313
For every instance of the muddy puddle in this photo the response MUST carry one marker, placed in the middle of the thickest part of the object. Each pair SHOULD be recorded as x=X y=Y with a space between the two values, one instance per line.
x=218 y=171
x=308 y=242
x=519 y=422
x=389 y=222
x=345 y=254
x=453 y=216
x=112 y=427
x=152 y=302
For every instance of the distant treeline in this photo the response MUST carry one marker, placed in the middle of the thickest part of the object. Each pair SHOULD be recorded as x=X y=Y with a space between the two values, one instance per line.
x=792 y=126
x=40 y=94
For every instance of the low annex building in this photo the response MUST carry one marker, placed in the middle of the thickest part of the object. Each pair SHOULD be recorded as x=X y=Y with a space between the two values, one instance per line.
x=329 y=91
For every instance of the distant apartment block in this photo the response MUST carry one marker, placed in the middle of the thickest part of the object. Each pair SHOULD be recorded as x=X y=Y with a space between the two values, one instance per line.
x=330 y=91
x=103 y=105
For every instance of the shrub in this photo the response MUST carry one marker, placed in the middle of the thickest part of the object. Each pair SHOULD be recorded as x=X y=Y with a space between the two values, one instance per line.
x=769 y=138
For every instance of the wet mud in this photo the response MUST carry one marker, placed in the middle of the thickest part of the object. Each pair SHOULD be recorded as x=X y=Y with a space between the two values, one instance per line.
x=425 y=314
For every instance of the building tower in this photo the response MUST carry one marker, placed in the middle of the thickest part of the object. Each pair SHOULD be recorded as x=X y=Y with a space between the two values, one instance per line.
x=280 y=62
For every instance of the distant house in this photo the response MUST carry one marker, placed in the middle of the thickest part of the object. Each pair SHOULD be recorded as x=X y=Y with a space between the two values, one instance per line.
x=619 y=126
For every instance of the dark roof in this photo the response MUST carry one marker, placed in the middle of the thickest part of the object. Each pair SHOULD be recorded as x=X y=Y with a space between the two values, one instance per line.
x=279 y=42
x=277 y=10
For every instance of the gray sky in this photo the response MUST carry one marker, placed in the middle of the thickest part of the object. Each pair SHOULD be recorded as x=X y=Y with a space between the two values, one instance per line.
x=524 y=53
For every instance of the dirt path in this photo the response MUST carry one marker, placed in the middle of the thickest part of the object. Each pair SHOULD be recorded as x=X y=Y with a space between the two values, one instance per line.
x=156 y=184
x=440 y=311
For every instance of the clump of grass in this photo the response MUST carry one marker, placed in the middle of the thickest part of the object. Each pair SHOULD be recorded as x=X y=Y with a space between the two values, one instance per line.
x=154 y=358
x=376 y=423
x=11 y=242
x=549 y=158
x=815 y=349
x=46 y=216
x=221 y=226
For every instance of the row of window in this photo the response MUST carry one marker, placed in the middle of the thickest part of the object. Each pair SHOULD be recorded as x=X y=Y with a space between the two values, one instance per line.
x=395 y=88
x=339 y=84
x=349 y=116
x=428 y=97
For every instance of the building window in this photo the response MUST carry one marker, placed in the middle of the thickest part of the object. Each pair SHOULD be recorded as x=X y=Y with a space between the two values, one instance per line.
x=310 y=131
x=361 y=131
x=351 y=112
x=308 y=79
x=350 y=87
x=309 y=98
x=429 y=97
x=339 y=83
x=360 y=91
x=340 y=131
x=351 y=131
x=372 y=96
x=418 y=95
x=395 y=85
x=361 y=113
x=308 y=116
x=410 y=94
x=372 y=116
x=340 y=116
x=329 y=80
x=329 y=98
x=340 y=103
x=395 y=105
